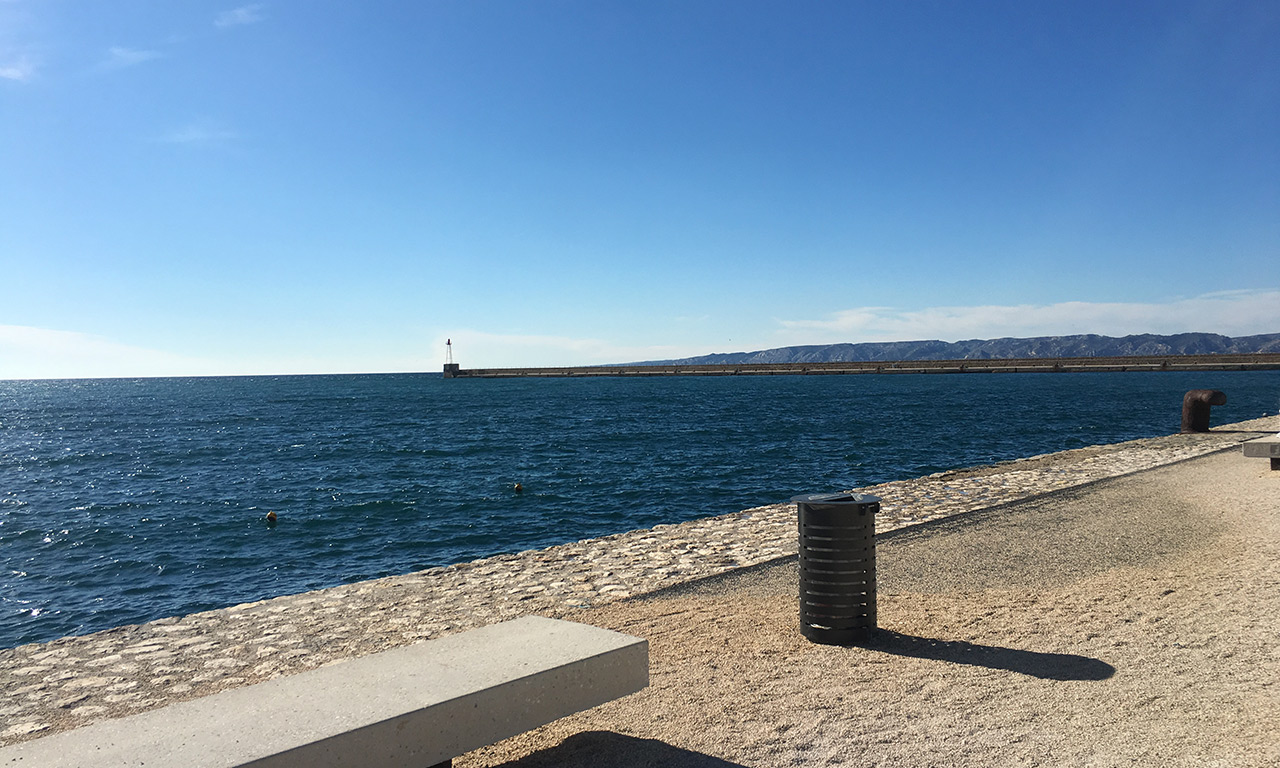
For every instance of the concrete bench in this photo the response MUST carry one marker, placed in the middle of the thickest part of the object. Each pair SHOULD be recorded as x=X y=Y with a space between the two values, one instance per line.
x=410 y=707
x=1265 y=447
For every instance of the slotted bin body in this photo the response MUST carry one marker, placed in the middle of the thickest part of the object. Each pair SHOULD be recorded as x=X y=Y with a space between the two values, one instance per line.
x=837 y=566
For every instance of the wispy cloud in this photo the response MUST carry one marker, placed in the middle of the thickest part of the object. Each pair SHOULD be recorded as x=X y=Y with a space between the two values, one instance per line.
x=42 y=353
x=237 y=17
x=198 y=134
x=1234 y=313
x=20 y=69
x=484 y=349
x=119 y=57
x=18 y=41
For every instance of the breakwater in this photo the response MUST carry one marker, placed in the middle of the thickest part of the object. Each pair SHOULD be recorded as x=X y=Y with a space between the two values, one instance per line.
x=1258 y=362
x=77 y=680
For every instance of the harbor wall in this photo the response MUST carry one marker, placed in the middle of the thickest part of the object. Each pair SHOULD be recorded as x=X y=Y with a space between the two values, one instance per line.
x=1257 y=362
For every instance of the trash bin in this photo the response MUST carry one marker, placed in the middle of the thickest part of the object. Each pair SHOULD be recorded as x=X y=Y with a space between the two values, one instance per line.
x=837 y=566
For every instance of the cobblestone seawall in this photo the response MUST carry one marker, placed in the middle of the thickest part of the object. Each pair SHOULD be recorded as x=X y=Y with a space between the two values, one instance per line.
x=78 y=680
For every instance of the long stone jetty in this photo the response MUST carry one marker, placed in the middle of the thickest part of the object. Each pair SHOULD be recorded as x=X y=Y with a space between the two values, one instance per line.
x=55 y=686
x=1255 y=362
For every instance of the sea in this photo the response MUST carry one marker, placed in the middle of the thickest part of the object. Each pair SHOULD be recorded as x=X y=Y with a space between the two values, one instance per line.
x=128 y=500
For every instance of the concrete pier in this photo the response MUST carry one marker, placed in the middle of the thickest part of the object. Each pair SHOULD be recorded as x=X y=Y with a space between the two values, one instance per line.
x=1260 y=362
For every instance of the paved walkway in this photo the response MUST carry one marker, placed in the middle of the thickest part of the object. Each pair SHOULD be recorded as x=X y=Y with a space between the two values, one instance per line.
x=1132 y=622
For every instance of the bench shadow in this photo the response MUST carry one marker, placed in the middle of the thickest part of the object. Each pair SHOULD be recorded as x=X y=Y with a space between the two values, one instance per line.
x=1046 y=666
x=606 y=749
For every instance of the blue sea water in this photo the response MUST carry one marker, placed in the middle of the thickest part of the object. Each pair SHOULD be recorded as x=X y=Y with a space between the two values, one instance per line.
x=123 y=501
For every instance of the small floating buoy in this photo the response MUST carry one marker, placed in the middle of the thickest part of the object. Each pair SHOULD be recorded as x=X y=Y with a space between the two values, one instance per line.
x=519 y=488
x=271 y=519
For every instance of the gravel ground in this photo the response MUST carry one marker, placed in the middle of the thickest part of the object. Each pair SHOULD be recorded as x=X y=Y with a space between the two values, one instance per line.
x=1131 y=622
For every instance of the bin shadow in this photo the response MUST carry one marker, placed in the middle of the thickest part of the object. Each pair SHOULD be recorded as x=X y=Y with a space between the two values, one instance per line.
x=1046 y=666
x=606 y=749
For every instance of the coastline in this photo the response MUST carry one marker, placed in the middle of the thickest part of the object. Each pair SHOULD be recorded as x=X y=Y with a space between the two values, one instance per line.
x=74 y=681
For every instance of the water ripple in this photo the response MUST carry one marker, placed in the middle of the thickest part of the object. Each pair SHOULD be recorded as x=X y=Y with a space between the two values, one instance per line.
x=128 y=500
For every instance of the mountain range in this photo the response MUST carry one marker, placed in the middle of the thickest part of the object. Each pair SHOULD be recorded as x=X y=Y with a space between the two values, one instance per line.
x=1083 y=345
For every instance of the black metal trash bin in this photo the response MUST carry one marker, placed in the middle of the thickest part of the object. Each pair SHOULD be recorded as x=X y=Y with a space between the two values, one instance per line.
x=837 y=566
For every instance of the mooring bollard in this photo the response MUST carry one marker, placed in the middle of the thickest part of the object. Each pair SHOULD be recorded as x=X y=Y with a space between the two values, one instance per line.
x=1195 y=408
x=837 y=566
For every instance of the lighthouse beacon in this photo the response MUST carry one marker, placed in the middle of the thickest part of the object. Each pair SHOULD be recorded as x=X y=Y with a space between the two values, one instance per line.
x=450 y=367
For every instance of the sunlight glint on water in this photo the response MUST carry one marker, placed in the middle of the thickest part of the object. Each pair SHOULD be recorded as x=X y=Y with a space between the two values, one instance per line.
x=128 y=500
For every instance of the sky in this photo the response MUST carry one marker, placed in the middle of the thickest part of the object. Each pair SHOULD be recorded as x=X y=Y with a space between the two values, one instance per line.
x=324 y=186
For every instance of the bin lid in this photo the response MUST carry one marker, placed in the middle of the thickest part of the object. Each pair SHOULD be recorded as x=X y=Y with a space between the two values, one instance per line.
x=836 y=498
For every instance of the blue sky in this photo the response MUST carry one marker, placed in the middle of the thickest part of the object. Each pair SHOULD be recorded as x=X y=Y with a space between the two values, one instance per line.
x=298 y=187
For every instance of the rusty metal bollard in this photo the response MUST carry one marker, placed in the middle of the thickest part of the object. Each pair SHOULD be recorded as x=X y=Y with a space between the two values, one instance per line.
x=1195 y=408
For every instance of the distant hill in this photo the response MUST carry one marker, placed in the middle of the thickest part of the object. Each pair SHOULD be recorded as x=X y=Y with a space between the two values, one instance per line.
x=1087 y=345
